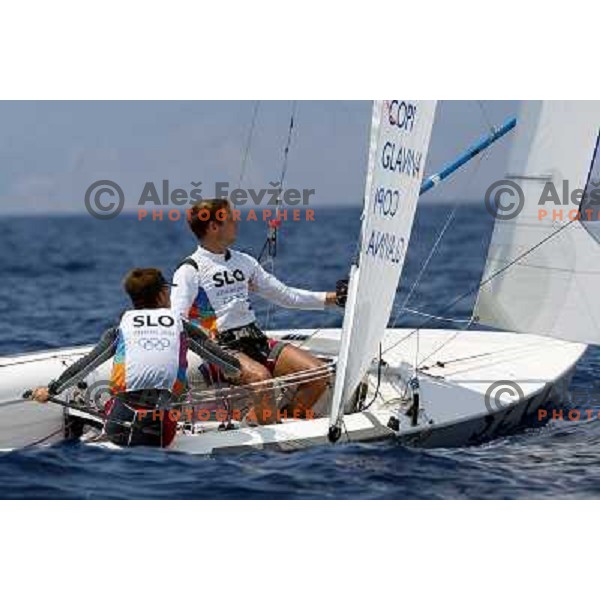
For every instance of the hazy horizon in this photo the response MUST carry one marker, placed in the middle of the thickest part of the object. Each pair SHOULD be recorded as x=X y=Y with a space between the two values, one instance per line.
x=52 y=151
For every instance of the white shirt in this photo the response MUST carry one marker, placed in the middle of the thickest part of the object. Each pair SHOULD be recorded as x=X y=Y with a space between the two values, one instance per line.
x=216 y=295
x=150 y=352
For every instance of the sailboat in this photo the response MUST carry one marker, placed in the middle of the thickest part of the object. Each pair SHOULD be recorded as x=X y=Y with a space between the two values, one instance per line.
x=423 y=387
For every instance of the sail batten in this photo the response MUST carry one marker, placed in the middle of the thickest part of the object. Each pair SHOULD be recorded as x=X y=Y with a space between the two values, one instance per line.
x=552 y=284
x=399 y=141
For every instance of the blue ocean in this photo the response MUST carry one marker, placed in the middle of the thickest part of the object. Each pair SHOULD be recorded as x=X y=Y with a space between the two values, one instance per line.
x=61 y=286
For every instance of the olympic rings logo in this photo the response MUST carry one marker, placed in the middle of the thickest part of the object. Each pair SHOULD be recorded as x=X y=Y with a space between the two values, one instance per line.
x=159 y=344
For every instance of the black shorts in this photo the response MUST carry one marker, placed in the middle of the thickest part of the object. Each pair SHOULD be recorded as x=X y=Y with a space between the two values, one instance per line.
x=130 y=423
x=253 y=343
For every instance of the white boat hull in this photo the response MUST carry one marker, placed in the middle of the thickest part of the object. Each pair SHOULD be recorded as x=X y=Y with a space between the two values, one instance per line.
x=456 y=371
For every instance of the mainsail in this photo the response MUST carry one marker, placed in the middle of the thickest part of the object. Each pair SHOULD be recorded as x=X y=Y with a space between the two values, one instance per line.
x=543 y=267
x=400 y=133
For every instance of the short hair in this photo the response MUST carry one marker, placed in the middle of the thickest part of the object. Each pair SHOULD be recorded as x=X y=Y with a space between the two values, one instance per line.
x=144 y=286
x=204 y=212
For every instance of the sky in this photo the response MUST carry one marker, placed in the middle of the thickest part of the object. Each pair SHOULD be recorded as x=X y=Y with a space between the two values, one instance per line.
x=52 y=151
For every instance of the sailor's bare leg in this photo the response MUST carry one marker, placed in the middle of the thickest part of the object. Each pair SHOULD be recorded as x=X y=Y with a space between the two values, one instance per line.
x=292 y=360
x=263 y=408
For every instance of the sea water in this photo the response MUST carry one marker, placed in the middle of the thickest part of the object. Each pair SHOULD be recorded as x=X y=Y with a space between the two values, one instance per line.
x=61 y=286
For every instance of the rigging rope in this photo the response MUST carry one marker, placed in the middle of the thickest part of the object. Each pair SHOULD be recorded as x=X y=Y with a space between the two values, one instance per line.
x=424 y=266
x=270 y=245
x=271 y=242
x=436 y=317
x=487 y=280
x=495 y=352
x=430 y=317
x=435 y=247
x=248 y=143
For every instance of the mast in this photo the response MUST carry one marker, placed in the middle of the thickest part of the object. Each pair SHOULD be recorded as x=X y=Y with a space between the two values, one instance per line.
x=399 y=141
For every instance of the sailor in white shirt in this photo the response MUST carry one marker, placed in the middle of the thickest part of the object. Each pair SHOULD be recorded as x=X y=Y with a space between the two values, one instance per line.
x=212 y=288
x=149 y=352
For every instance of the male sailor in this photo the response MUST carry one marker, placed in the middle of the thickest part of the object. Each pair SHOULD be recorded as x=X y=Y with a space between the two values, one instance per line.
x=150 y=364
x=212 y=288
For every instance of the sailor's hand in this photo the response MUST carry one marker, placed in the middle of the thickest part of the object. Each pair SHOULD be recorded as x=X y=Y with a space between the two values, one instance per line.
x=341 y=292
x=40 y=394
x=330 y=298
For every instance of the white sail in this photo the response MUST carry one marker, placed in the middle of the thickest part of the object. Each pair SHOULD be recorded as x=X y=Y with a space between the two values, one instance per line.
x=543 y=268
x=400 y=133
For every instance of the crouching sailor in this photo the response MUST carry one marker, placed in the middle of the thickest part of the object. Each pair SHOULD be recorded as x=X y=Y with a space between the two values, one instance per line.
x=149 y=367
